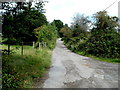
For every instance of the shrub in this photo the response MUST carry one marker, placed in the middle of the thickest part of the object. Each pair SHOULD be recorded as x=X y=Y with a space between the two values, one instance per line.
x=46 y=33
x=19 y=71
x=104 y=45
x=75 y=44
x=66 y=32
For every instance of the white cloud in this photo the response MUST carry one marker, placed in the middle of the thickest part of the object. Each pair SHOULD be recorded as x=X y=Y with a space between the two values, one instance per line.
x=65 y=9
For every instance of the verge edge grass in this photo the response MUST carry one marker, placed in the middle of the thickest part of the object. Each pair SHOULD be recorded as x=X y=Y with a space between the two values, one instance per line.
x=21 y=70
x=109 y=60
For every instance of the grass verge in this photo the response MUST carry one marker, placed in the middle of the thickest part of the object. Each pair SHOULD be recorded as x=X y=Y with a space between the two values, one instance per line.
x=109 y=60
x=20 y=71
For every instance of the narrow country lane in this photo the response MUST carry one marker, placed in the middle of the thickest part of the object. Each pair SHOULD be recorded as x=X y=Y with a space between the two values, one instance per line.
x=70 y=70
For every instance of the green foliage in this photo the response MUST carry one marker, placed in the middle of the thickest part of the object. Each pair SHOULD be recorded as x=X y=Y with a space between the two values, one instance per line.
x=66 y=32
x=104 y=45
x=76 y=36
x=59 y=25
x=19 y=71
x=80 y=25
x=46 y=33
x=75 y=44
x=20 y=20
x=104 y=22
x=103 y=41
x=27 y=21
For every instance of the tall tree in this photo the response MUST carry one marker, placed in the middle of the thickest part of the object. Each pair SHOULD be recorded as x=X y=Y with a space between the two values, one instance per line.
x=20 y=19
x=59 y=24
x=80 y=25
x=104 y=40
x=104 y=22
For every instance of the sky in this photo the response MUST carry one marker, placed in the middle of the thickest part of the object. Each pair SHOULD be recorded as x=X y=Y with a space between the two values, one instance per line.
x=64 y=10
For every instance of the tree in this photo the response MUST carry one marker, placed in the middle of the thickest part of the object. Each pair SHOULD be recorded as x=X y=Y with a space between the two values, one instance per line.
x=28 y=21
x=104 y=41
x=80 y=25
x=66 y=32
x=39 y=6
x=46 y=33
x=104 y=22
x=59 y=25
x=20 y=19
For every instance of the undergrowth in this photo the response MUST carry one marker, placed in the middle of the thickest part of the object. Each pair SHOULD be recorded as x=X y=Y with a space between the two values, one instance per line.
x=19 y=71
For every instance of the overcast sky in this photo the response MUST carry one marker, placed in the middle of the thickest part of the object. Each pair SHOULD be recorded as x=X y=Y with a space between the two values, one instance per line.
x=65 y=9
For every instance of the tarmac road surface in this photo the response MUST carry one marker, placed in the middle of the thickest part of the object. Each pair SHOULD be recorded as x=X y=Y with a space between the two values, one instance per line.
x=70 y=70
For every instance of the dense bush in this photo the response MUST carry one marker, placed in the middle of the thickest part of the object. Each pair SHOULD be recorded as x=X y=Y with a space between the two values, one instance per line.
x=66 y=32
x=104 y=40
x=19 y=71
x=104 y=45
x=101 y=41
x=75 y=44
x=46 y=33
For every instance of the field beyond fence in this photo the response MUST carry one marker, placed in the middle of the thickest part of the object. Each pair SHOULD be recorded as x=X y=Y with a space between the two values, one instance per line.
x=21 y=48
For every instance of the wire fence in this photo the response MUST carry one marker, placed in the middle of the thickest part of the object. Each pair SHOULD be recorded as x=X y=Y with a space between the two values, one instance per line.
x=22 y=46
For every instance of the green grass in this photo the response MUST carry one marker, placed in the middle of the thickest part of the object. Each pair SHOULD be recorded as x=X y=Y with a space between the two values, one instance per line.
x=110 y=60
x=20 y=71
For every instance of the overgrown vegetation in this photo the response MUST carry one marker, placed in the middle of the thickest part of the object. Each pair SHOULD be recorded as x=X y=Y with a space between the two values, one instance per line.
x=59 y=24
x=103 y=41
x=46 y=33
x=24 y=22
x=110 y=60
x=19 y=71
x=104 y=45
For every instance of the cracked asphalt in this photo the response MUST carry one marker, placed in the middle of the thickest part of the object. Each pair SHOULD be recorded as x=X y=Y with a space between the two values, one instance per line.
x=70 y=70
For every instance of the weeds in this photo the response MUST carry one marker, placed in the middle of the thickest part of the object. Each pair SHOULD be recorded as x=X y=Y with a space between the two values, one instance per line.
x=19 y=71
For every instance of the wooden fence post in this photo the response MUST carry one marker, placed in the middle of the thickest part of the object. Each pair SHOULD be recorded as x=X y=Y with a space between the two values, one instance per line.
x=22 y=49
x=39 y=45
x=8 y=49
x=33 y=44
x=44 y=44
